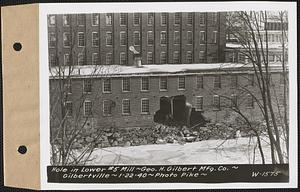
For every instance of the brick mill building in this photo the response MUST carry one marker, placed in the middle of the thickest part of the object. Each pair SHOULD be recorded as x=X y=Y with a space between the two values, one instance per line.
x=182 y=54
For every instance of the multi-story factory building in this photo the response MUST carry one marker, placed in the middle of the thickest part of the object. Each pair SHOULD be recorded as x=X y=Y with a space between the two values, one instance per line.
x=161 y=38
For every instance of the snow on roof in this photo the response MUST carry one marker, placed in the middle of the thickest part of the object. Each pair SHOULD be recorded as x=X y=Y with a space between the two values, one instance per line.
x=271 y=45
x=119 y=70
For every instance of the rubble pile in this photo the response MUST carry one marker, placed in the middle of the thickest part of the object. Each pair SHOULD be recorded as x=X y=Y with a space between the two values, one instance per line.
x=157 y=134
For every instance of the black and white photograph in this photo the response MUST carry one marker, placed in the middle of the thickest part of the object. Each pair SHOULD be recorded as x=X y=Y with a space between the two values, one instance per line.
x=169 y=88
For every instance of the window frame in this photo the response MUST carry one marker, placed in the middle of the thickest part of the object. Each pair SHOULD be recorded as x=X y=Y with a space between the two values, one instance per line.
x=79 y=56
x=89 y=91
x=108 y=55
x=123 y=106
x=104 y=81
x=148 y=106
x=160 y=83
x=84 y=108
x=134 y=38
x=161 y=57
x=123 y=38
x=95 y=39
x=163 y=41
x=66 y=17
x=123 y=58
x=198 y=84
x=92 y=19
x=180 y=83
x=78 y=39
x=150 y=55
x=162 y=15
x=202 y=103
x=217 y=82
x=103 y=108
x=142 y=84
x=67 y=108
x=216 y=107
x=65 y=63
x=109 y=38
x=93 y=58
x=189 y=54
x=150 y=39
x=123 y=84
x=51 y=42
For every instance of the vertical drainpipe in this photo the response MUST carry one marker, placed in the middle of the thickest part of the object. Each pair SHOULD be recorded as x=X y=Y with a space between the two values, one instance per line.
x=193 y=36
x=219 y=37
x=167 y=33
x=206 y=40
x=99 y=39
x=113 y=37
x=181 y=39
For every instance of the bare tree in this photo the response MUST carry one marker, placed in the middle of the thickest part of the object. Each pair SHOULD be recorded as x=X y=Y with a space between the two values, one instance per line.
x=250 y=30
x=68 y=121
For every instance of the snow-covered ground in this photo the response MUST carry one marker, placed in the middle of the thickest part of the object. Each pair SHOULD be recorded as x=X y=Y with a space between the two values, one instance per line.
x=234 y=151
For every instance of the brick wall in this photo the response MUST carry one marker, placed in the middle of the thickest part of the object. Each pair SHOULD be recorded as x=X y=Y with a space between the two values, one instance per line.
x=213 y=51
x=136 y=119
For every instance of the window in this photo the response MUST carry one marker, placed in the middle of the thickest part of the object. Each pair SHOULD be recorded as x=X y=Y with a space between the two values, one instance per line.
x=177 y=18
x=189 y=57
x=52 y=20
x=199 y=82
x=271 y=58
x=214 y=18
x=95 y=19
x=68 y=86
x=150 y=18
x=87 y=85
x=136 y=19
x=107 y=85
x=231 y=57
x=108 y=38
x=126 y=84
x=107 y=105
x=136 y=38
x=108 y=59
x=52 y=59
x=202 y=19
x=80 y=19
x=241 y=57
x=163 y=83
x=87 y=108
x=190 y=19
x=176 y=57
x=145 y=83
x=69 y=108
x=176 y=37
x=215 y=36
x=163 y=57
x=163 y=38
x=163 y=19
x=199 y=103
x=67 y=39
x=249 y=101
x=202 y=37
x=234 y=101
x=122 y=58
x=52 y=40
x=282 y=79
x=81 y=42
x=181 y=82
x=251 y=79
x=66 y=59
x=126 y=107
x=234 y=81
x=145 y=107
x=216 y=102
x=80 y=59
x=123 y=19
x=66 y=20
x=189 y=37
x=95 y=59
x=150 y=38
x=108 y=19
x=217 y=81
x=122 y=38
x=95 y=39
x=150 y=58
x=202 y=56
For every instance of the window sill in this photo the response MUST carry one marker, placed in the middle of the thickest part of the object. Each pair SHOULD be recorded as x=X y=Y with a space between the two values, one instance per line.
x=108 y=115
x=181 y=89
x=144 y=90
x=106 y=92
x=148 y=113
x=126 y=114
x=163 y=90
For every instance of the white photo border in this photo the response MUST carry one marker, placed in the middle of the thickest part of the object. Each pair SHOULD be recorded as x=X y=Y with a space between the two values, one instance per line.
x=73 y=8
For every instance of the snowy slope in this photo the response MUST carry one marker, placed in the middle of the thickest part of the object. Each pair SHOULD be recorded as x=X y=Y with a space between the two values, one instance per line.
x=234 y=151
